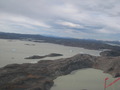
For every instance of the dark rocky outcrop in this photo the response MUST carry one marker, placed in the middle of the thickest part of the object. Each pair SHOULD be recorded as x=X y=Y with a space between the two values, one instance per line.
x=54 y=55
x=35 y=57
x=109 y=65
x=40 y=76
x=112 y=53
x=39 y=57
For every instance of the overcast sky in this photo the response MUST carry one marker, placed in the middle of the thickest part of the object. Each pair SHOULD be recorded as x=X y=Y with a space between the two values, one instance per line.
x=89 y=19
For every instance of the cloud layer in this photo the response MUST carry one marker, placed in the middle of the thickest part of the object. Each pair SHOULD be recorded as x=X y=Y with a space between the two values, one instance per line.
x=90 y=19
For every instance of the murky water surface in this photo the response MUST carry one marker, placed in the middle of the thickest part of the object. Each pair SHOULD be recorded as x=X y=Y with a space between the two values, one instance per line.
x=14 y=51
x=85 y=79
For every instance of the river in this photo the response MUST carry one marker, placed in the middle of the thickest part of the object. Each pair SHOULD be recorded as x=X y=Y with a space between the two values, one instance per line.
x=85 y=79
x=14 y=51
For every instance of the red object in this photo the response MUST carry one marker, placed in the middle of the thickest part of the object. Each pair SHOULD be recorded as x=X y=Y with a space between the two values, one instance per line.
x=105 y=82
x=106 y=78
x=113 y=82
x=105 y=86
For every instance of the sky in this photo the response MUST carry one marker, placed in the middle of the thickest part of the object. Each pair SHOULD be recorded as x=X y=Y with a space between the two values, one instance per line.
x=82 y=19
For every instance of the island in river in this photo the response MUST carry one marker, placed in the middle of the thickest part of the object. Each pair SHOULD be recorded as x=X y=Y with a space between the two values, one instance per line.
x=39 y=57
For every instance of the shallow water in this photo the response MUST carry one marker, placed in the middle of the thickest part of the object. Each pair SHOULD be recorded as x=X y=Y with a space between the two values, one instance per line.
x=85 y=79
x=14 y=51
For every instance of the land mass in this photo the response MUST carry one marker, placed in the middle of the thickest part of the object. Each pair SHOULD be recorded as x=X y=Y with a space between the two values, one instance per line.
x=39 y=57
x=84 y=43
x=40 y=76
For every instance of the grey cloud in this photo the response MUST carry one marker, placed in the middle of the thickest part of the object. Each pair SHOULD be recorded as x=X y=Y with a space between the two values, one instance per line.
x=84 y=16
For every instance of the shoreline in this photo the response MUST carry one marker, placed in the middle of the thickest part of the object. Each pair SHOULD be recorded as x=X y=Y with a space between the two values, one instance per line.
x=31 y=73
